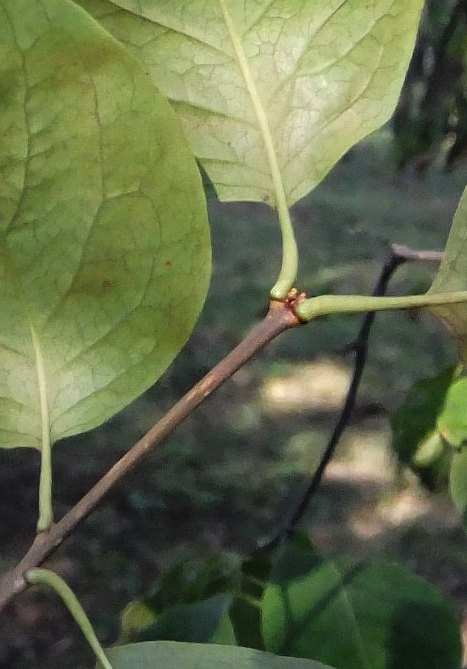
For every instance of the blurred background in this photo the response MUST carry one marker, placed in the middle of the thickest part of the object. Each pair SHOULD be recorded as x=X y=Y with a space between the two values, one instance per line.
x=230 y=476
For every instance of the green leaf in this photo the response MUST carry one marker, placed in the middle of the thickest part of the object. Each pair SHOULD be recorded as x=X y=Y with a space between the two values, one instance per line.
x=458 y=482
x=193 y=578
x=452 y=276
x=245 y=612
x=271 y=93
x=198 y=622
x=429 y=451
x=357 y=616
x=452 y=422
x=104 y=251
x=414 y=427
x=225 y=633
x=137 y=616
x=172 y=655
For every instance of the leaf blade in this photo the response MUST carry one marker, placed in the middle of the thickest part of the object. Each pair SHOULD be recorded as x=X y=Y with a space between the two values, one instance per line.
x=325 y=74
x=381 y=615
x=452 y=421
x=452 y=276
x=95 y=252
x=195 y=622
x=175 y=655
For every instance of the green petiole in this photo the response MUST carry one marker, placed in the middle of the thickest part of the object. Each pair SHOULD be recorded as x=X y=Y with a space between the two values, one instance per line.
x=289 y=269
x=325 y=305
x=68 y=597
x=288 y=273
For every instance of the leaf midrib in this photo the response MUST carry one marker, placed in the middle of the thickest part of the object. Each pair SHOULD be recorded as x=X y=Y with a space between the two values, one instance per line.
x=352 y=616
x=258 y=107
x=42 y=387
x=288 y=272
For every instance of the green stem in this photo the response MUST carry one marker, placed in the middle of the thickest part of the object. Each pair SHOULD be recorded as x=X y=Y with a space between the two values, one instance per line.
x=46 y=517
x=68 y=597
x=334 y=304
x=289 y=269
x=288 y=273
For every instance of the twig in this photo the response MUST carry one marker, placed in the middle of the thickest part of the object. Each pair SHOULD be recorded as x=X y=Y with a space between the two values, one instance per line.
x=407 y=253
x=399 y=255
x=279 y=318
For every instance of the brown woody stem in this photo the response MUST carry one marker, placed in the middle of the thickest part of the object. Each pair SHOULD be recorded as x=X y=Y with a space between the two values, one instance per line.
x=279 y=318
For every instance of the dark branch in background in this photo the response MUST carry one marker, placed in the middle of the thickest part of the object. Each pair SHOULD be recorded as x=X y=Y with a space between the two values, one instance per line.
x=399 y=255
x=406 y=253
x=279 y=318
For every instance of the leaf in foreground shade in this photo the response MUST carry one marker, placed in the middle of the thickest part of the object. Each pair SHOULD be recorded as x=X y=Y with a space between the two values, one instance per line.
x=452 y=276
x=245 y=612
x=198 y=622
x=271 y=93
x=452 y=422
x=104 y=248
x=357 y=616
x=415 y=437
x=416 y=418
x=172 y=655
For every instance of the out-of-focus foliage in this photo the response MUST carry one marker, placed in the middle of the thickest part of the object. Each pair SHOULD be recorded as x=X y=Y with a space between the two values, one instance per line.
x=430 y=122
x=355 y=615
x=416 y=440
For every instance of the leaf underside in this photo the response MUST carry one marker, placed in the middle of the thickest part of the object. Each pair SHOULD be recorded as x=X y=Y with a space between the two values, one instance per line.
x=173 y=655
x=452 y=276
x=104 y=243
x=265 y=86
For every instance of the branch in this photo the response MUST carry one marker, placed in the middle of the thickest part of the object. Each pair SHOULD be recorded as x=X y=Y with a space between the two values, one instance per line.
x=399 y=255
x=279 y=318
x=406 y=253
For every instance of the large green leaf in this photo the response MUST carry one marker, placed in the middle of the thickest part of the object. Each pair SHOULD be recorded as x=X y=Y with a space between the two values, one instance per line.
x=172 y=655
x=357 y=616
x=104 y=247
x=416 y=418
x=452 y=422
x=271 y=93
x=452 y=276
x=415 y=436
